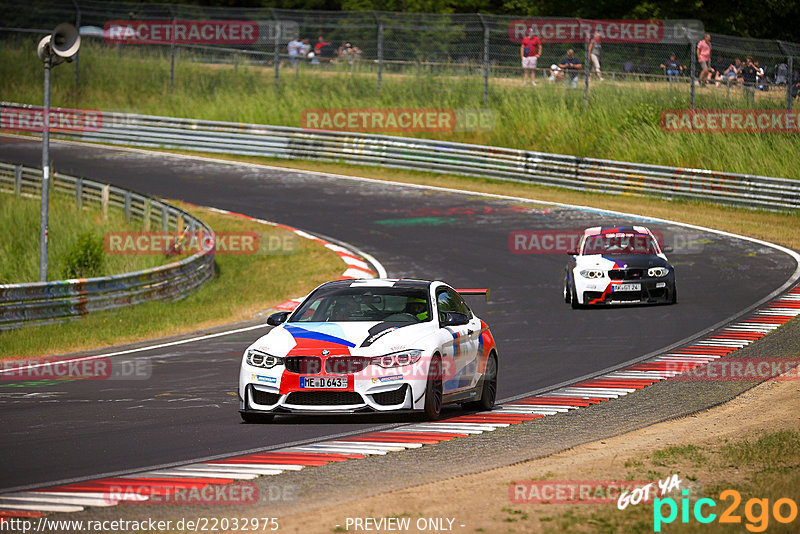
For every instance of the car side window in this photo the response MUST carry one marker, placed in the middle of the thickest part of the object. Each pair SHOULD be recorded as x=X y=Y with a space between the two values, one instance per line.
x=445 y=303
x=461 y=306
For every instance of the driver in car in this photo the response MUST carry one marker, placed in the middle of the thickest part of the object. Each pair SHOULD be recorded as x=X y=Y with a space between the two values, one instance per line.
x=418 y=308
x=344 y=309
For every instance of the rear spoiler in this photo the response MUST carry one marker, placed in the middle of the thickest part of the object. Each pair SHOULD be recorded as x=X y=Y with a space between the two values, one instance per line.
x=472 y=292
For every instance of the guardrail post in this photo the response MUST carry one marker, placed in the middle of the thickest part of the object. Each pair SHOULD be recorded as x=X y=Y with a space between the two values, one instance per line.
x=18 y=180
x=147 y=209
x=164 y=219
x=127 y=206
x=485 y=60
x=380 y=48
x=179 y=222
x=104 y=193
x=79 y=193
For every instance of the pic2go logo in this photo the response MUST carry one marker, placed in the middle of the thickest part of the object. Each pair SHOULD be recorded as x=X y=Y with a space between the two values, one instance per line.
x=756 y=511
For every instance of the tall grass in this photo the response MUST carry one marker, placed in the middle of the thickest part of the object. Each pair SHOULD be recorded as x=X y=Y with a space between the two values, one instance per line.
x=619 y=121
x=69 y=232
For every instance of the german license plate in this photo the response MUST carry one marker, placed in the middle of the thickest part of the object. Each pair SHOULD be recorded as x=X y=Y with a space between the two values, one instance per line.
x=626 y=287
x=323 y=382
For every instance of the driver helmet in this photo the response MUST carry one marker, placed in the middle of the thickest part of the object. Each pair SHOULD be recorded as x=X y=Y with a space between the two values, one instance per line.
x=418 y=308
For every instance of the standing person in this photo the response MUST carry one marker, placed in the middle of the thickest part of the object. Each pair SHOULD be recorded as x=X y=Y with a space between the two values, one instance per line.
x=570 y=65
x=529 y=52
x=295 y=48
x=594 y=55
x=704 y=58
x=749 y=74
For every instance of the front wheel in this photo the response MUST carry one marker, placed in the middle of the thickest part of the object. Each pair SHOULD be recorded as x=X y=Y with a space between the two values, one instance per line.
x=433 y=390
x=256 y=418
x=489 y=389
x=574 y=299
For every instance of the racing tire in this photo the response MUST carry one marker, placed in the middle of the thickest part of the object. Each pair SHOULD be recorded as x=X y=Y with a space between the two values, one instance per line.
x=489 y=389
x=433 y=390
x=256 y=418
x=574 y=299
x=567 y=291
x=674 y=295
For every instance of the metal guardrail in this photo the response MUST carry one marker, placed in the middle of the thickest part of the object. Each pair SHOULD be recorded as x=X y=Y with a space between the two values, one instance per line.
x=47 y=302
x=581 y=174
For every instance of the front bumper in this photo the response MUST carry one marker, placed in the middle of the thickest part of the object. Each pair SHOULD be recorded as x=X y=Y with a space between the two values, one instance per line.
x=653 y=291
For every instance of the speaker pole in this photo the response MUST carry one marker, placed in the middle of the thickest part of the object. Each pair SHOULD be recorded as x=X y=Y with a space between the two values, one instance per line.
x=44 y=219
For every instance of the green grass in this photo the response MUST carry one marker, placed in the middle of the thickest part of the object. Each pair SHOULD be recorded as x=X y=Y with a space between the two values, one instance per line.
x=621 y=121
x=68 y=229
x=243 y=286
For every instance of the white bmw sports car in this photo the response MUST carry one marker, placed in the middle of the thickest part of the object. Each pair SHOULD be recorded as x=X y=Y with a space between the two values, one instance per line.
x=619 y=265
x=371 y=345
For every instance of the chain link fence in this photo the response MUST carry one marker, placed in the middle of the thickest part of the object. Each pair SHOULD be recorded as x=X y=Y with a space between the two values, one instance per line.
x=486 y=48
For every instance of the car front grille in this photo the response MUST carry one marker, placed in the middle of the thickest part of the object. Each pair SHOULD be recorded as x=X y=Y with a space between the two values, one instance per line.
x=626 y=274
x=387 y=398
x=346 y=365
x=264 y=397
x=306 y=365
x=324 y=398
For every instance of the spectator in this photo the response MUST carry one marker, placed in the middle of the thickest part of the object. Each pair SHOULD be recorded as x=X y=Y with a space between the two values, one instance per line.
x=320 y=44
x=731 y=74
x=295 y=49
x=781 y=74
x=627 y=68
x=555 y=73
x=594 y=55
x=571 y=66
x=749 y=77
x=672 y=67
x=704 y=59
x=529 y=52
x=761 y=78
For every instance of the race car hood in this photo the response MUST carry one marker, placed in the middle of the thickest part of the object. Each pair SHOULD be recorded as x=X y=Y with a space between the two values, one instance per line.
x=621 y=261
x=368 y=338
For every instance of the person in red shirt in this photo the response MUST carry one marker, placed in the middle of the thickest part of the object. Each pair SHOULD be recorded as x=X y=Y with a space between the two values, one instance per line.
x=530 y=51
x=704 y=59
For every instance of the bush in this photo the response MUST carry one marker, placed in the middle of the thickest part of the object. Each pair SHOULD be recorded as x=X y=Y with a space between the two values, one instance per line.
x=85 y=257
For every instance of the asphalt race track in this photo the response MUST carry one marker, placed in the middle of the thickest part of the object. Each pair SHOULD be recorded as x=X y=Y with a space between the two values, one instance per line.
x=188 y=409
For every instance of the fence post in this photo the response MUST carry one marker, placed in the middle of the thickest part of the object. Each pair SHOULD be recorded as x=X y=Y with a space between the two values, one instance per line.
x=147 y=209
x=486 y=36
x=79 y=193
x=77 y=55
x=789 y=83
x=276 y=55
x=586 y=69
x=164 y=218
x=380 y=48
x=692 y=68
x=17 y=180
x=172 y=50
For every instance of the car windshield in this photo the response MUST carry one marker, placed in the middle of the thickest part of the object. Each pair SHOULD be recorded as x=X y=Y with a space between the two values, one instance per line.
x=619 y=243
x=348 y=304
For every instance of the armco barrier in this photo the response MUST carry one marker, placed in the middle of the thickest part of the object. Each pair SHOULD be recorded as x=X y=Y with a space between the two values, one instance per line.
x=45 y=302
x=582 y=174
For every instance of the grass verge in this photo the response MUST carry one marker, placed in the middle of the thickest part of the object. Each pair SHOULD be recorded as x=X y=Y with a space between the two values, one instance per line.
x=243 y=286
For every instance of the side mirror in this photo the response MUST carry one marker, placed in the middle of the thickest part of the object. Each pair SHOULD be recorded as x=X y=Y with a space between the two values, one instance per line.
x=666 y=250
x=452 y=318
x=277 y=318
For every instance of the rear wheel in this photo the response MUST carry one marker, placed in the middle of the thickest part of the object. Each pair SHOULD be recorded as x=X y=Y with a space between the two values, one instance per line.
x=489 y=389
x=433 y=390
x=255 y=418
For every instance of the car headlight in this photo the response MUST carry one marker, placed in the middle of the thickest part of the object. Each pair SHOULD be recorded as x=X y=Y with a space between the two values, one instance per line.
x=262 y=359
x=657 y=272
x=398 y=359
x=592 y=273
